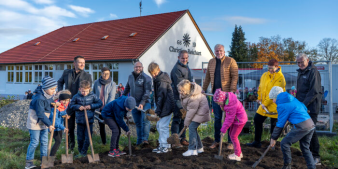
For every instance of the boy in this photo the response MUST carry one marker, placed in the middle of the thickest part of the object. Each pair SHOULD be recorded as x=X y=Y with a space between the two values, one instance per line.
x=164 y=100
x=113 y=114
x=84 y=100
x=294 y=111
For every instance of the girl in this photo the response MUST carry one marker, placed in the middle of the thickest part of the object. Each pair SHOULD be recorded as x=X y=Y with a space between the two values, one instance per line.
x=235 y=118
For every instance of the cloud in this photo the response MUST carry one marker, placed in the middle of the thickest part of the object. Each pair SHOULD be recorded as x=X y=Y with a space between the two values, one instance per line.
x=19 y=5
x=211 y=26
x=240 y=20
x=55 y=11
x=159 y=2
x=44 y=1
x=83 y=11
x=113 y=16
x=16 y=31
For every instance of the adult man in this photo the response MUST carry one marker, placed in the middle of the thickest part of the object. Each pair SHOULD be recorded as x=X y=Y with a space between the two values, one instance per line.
x=179 y=72
x=105 y=89
x=71 y=78
x=30 y=95
x=309 y=92
x=222 y=72
x=139 y=86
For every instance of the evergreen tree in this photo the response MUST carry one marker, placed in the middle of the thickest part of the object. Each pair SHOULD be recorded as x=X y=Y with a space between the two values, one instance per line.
x=238 y=47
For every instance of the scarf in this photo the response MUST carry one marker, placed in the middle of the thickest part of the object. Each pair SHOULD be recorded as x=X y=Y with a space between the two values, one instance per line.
x=47 y=95
x=104 y=82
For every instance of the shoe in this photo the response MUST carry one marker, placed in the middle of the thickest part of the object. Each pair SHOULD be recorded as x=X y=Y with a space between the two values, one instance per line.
x=317 y=161
x=201 y=150
x=184 y=142
x=254 y=144
x=156 y=149
x=163 y=150
x=145 y=142
x=234 y=157
x=29 y=165
x=177 y=146
x=287 y=166
x=80 y=155
x=113 y=153
x=214 y=145
x=190 y=153
x=119 y=152
x=230 y=146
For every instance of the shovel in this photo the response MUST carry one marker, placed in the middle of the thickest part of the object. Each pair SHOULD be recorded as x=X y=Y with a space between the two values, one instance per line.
x=152 y=117
x=93 y=157
x=48 y=161
x=129 y=142
x=219 y=155
x=66 y=158
x=174 y=138
x=260 y=159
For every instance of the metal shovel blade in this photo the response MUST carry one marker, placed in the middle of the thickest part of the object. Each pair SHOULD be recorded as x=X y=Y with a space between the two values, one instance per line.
x=67 y=159
x=94 y=158
x=47 y=162
x=219 y=157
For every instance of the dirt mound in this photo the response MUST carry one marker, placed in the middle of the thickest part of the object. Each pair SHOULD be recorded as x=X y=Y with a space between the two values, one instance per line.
x=146 y=159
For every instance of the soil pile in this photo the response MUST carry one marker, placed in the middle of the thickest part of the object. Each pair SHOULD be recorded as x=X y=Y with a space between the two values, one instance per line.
x=146 y=159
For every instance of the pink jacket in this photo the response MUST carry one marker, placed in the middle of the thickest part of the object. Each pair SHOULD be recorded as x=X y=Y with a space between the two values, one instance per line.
x=234 y=113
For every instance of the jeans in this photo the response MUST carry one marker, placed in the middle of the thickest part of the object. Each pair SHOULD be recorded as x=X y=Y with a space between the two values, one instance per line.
x=314 y=144
x=58 y=138
x=35 y=137
x=258 y=122
x=304 y=138
x=178 y=123
x=142 y=124
x=83 y=138
x=115 y=133
x=194 y=139
x=71 y=132
x=102 y=127
x=218 y=122
x=162 y=127
x=234 y=133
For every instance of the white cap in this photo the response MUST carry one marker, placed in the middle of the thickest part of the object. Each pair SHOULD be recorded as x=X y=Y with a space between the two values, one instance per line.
x=274 y=92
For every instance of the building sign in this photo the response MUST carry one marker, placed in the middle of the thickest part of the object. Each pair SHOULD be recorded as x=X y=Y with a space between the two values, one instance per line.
x=320 y=67
x=186 y=42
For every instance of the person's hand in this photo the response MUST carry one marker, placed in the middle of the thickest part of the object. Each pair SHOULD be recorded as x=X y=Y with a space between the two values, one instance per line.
x=51 y=128
x=65 y=130
x=87 y=107
x=128 y=133
x=140 y=107
x=257 y=101
x=222 y=134
x=222 y=108
x=81 y=108
x=272 y=142
x=263 y=106
x=68 y=116
x=57 y=104
x=203 y=91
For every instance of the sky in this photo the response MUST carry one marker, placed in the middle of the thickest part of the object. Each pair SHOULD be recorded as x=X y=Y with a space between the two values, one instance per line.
x=303 y=20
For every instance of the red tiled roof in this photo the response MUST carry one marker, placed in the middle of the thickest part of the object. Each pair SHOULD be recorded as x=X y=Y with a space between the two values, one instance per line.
x=58 y=45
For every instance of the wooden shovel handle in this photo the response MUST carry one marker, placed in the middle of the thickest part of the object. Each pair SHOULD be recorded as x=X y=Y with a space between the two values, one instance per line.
x=179 y=135
x=220 y=145
x=66 y=135
x=51 y=132
x=89 y=134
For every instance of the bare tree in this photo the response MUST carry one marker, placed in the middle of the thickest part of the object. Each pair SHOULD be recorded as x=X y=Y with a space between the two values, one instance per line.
x=312 y=53
x=328 y=49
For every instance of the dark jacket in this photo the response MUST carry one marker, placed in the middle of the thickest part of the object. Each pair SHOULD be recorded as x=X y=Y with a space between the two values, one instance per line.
x=67 y=79
x=116 y=110
x=139 y=88
x=292 y=110
x=164 y=97
x=29 y=96
x=178 y=73
x=309 y=88
x=41 y=105
x=79 y=100
x=59 y=121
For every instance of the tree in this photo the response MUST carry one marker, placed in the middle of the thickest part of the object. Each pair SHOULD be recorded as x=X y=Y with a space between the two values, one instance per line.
x=328 y=49
x=238 y=47
x=312 y=54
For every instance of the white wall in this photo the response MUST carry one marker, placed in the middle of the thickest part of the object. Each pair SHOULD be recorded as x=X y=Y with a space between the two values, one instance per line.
x=160 y=53
x=125 y=70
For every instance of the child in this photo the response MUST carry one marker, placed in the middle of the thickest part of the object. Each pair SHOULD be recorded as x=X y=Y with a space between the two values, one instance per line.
x=235 y=118
x=63 y=98
x=84 y=100
x=113 y=114
x=164 y=100
x=294 y=111
x=196 y=105
x=37 y=121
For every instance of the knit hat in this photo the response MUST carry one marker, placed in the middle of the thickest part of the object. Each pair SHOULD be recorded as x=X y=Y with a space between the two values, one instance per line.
x=293 y=88
x=130 y=103
x=64 y=96
x=48 y=82
x=220 y=96
x=274 y=92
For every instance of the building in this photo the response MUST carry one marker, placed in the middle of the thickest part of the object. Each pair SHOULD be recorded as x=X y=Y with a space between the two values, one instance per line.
x=117 y=44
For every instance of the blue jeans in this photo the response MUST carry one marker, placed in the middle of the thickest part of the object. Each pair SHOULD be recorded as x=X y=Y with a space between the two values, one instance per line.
x=35 y=137
x=162 y=127
x=178 y=123
x=218 y=122
x=142 y=124
x=194 y=139
x=83 y=138
x=304 y=138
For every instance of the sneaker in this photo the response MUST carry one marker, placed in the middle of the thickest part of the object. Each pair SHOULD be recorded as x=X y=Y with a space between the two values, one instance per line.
x=317 y=161
x=254 y=144
x=156 y=149
x=190 y=153
x=241 y=156
x=29 y=165
x=287 y=166
x=80 y=155
x=201 y=150
x=163 y=150
x=214 y=145
x=113 y=153
x=119 y=152
x=184 y=142
x=177 y=146
x=230 y=146
x=234 y=157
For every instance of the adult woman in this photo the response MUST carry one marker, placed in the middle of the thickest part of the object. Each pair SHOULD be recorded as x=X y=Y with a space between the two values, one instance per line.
x=273 y=77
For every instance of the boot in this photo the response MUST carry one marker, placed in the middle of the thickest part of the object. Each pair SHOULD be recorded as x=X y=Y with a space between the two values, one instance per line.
x=287 y=166
x=214 y=145
x=254 y=144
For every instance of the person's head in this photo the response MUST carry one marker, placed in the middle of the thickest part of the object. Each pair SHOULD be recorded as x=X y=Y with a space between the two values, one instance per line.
x=39 y=85
x=250 y=89
x=64 y=97
x=220 y=97
x=49 y=85
x=293 y=88
x=302 y=61
x=184 y=87
x=26 y=93
x=219 y=51
x=120 y=85
x=79 y=62
x=105 y=73
x=246 y=89
x=274 y=92
x=129 y=103
x=272 y=66
x=138 y=68
x=183 y=57
x=153 y=69
x=29 y=91
x=84 y=87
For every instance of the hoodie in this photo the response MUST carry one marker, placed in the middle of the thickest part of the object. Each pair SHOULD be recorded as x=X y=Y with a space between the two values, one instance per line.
x=164 y=97
x=117 y=111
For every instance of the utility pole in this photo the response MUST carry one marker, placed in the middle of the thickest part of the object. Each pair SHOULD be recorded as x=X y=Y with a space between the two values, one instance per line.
x=140 y=7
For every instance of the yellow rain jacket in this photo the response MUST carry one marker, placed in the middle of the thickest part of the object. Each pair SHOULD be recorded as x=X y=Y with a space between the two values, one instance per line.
x=268 y=81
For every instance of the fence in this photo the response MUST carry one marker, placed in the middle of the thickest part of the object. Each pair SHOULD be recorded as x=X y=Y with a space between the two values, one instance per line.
x=249 y=74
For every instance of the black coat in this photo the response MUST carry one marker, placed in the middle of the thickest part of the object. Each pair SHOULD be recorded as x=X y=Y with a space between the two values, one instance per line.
x=164 y=97
x=178 y=73
x=309 y=88
x=67 y=79
x=139 y=88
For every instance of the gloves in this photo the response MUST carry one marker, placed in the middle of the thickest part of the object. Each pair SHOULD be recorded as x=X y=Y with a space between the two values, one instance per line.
x=178 y=104
x=183 y=112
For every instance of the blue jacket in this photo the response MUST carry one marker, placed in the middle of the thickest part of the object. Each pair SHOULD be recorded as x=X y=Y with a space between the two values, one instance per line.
x=41 y=105
x=79 y=100
x=116 y=110
x=58 y=119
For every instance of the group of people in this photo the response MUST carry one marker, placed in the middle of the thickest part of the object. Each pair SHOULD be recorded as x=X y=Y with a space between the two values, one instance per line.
x=176 y=95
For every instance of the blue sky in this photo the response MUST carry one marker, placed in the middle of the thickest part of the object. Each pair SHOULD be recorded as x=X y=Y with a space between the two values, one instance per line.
x=305 y=20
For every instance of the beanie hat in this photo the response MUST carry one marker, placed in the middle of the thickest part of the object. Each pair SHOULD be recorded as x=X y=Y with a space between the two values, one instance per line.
x=220 y=96
x=64 y=96
x=130 y=103
x=274 y=92
x=48 y=82
x=293 y=88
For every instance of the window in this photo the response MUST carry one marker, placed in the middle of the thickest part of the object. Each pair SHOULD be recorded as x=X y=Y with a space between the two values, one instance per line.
x=38 y=73
x=113 y=65
x=97 y=70
x=116 y=77
x=76 y=39
x=104 y=37
x=10 y=73
x=87 y=66
x=2 y=68
x=28 y=73
x=59 y=67
x=133 y=34
x=18 y=73
x=70 y=66
x=49 y=70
